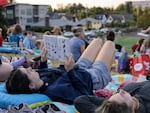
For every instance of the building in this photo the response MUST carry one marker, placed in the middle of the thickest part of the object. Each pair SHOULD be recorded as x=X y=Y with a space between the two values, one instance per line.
x=26 y=15
x=143 y=4
x=90 y=23
x=63 y=20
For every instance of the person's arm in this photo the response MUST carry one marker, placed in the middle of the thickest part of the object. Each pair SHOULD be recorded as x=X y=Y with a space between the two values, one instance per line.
x=43 y=60
x=88 y=104
x=84 y=85
x=82 y=48
x=21 y=44
x=21 y=38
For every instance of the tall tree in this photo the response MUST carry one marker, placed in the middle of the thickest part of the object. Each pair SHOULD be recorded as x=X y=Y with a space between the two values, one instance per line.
x=128 y=7
x=121 y=9
x=50 y=9
x=143 y=19
x=3 y=22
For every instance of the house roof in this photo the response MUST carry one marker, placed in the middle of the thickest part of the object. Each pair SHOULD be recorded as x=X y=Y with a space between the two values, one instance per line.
x=13 y=4
x=120 y=17
x=83 y=21
x=61 y=22
x=60 y=15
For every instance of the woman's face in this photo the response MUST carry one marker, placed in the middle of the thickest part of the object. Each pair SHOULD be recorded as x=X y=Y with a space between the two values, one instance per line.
x=122 y=97
x=32 y=75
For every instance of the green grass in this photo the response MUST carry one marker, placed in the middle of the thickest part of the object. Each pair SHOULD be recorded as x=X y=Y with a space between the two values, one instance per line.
x=127 y=42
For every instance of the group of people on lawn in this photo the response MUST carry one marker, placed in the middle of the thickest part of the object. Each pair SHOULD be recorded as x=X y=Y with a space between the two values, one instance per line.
x=85 y=70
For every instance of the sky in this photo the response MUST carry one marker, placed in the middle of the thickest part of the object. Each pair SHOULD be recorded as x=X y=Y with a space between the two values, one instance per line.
x=85 y=3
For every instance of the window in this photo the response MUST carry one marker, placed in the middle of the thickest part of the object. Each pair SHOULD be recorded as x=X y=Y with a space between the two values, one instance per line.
x=35 y=19
x=23 y=12
x=9 y=14
x=29 y=12
x=29 y=20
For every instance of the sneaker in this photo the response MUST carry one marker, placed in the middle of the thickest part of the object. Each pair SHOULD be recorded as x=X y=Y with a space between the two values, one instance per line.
x=22 y=108
x=48 y=109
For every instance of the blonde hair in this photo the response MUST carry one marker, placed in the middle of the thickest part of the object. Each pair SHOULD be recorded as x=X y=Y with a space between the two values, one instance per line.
x=9 y=30
x=113 y=107
x=56 y=29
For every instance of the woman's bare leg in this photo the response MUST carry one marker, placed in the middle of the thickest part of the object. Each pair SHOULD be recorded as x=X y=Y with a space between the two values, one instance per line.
x=92 y=50
x=107 y=54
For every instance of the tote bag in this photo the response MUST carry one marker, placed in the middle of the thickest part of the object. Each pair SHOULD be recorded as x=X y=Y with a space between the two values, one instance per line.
x=140 y=65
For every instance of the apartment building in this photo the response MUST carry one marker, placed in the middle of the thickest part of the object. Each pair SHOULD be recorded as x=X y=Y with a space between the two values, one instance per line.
x=26 y=15
x=143 y=4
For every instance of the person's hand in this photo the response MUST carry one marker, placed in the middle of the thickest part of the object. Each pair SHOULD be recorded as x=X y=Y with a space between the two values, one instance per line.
x=43 y=55
x=69 y=63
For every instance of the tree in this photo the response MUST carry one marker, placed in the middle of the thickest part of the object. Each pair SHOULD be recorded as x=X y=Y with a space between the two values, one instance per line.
x=11 y=1
x=95 y=11
x=3 y=22
x=136 y=13
x=121 y=9
x=128 y=7
x=50 y=10
x=88 y=25
x=143 y=19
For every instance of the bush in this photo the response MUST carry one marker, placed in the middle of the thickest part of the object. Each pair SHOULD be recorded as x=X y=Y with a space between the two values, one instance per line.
x=40 y=29
x=130 y=29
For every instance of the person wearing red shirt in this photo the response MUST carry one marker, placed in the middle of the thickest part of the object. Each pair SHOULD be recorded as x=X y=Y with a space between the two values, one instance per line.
x=137 y=46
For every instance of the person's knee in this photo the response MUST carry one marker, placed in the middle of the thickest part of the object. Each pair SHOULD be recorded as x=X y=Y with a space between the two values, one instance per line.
x=110 y=44
x=97 y=41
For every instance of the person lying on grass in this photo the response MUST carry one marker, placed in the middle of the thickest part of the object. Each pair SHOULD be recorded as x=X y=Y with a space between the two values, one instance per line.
x=67 y=82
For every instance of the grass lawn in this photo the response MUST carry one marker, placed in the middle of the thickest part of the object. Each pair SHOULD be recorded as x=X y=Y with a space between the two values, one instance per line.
x=127 y=42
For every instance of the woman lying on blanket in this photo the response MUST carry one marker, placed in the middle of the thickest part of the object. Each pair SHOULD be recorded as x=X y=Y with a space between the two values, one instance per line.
x=67 y=82
x=132 y=98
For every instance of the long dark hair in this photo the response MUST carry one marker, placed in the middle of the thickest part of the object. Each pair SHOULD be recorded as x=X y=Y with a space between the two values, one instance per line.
x=140 y=44
x=18 y=83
